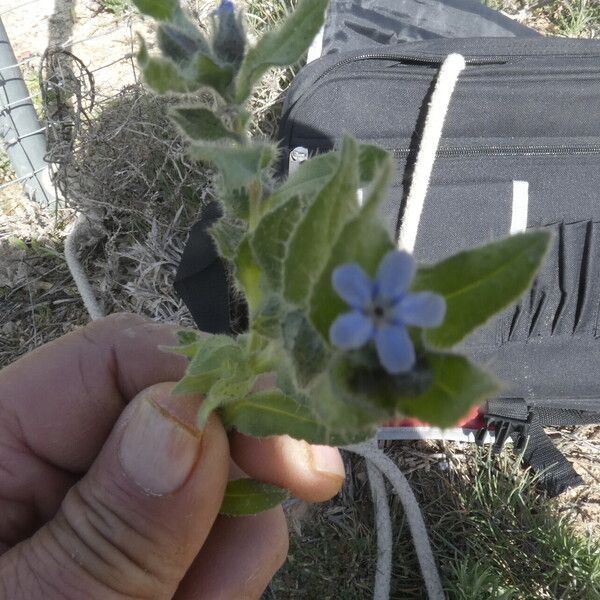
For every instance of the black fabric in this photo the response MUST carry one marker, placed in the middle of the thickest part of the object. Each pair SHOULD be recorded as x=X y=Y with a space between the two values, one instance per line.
x=514 y=418
x=201 y=279
x=524 y=109
x=359 y=24
x=556 y=472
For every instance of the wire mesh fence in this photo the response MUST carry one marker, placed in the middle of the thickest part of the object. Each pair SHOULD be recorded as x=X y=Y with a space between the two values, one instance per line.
x=60 y=61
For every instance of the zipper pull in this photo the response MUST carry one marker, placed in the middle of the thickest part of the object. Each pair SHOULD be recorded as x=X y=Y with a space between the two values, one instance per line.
x=297 y=156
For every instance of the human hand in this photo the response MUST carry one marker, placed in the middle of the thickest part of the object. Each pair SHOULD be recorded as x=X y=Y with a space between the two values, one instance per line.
x=107 y=489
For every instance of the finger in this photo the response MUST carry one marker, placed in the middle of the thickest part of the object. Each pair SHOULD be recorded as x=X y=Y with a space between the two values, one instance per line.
x=257 y=545
x=62 y=400
x=134 y=524
x=239 y=558
x=313 y=473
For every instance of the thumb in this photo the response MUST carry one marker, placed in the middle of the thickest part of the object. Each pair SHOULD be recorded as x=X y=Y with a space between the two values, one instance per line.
x=133 y=525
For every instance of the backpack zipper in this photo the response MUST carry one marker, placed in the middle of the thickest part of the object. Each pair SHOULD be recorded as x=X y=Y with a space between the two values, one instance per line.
x=419 y=60
x=518 y=150
x=299 y=154
x=434 y=62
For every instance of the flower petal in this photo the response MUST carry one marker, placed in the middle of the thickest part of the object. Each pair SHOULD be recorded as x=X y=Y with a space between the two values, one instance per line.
x=351 y=330
x=395 y=274
x=353 y=285
x=422 y=309
x=395 y=348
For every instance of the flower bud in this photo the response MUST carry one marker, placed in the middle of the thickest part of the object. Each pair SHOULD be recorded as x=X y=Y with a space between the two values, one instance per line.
x=229 y=41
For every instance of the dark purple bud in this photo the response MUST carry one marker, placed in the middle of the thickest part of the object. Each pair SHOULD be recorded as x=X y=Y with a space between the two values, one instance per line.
x=225 y=8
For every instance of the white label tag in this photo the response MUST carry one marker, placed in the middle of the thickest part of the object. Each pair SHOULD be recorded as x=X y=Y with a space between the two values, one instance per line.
x=520 y=206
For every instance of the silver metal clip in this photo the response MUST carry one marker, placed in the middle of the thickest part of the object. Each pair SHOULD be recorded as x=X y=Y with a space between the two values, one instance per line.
x=297 y=156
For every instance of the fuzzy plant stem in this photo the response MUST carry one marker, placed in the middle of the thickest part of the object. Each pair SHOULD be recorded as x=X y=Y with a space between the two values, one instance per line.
x=371 y=452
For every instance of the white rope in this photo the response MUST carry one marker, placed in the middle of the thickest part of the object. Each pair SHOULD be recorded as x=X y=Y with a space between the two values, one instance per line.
x=430 y=141
x=416 y=524
x=81 y=281
x=383 y=527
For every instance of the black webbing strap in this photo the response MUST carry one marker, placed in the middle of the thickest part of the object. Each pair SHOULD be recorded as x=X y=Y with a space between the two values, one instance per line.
x=557 y=473
x=201 y=279
x=514 y=418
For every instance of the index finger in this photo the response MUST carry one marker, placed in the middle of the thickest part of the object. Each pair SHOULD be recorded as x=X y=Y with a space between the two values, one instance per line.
x=62 y=399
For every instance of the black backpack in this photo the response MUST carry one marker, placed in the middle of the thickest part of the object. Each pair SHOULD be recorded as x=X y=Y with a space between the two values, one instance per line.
x=520 y=147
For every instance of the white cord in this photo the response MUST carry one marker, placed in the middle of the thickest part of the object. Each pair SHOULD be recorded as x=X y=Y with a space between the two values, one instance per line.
x=81 y=281
x=416 y=524
x=430 y=141
x=383 y=527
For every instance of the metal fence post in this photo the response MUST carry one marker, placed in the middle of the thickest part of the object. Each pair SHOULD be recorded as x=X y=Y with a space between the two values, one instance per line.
x=24 y=135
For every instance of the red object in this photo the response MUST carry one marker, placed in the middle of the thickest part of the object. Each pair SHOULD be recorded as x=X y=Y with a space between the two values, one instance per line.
x=473 y=420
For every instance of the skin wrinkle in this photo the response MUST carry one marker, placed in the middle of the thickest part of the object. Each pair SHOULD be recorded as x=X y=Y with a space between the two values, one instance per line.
x=145 y=579
x=127 y=524
x=31 y=575
x=100 y=509
x=30 y=506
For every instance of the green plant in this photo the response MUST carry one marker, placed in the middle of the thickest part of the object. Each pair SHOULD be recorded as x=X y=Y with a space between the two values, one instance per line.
x=577 y=16
x=354 y=333
x=117 y=7
x=493 y=536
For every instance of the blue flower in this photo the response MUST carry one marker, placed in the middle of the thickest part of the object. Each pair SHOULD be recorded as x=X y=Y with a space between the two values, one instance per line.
x=382 y=309
x=225 y=8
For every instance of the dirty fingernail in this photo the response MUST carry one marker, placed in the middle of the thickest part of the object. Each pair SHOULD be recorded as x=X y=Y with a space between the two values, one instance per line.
x=159 y=449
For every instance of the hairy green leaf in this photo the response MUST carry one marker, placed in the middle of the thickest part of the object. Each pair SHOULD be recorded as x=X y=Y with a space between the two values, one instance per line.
x=249 y=497
x=213 y=353
x=373 y=161
x=270 y=238
x=310 y=243
x=161 y=74
x=267 y=318
x=312 y=176
x=180 y=44
x=206 y=71
x=201 y=124
x=239 y=164
x=188 y=343
x=248 y=274
x=457 y=386
x=365 y=241
x=376 y=171
x=345 y=422
x=185 y=337
x=235 y=383
x=283 y=46
x=227 y=234
x=271 y=412
x=163 y=10
x=479 y=283
x=304 y=346
x=236 y=202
